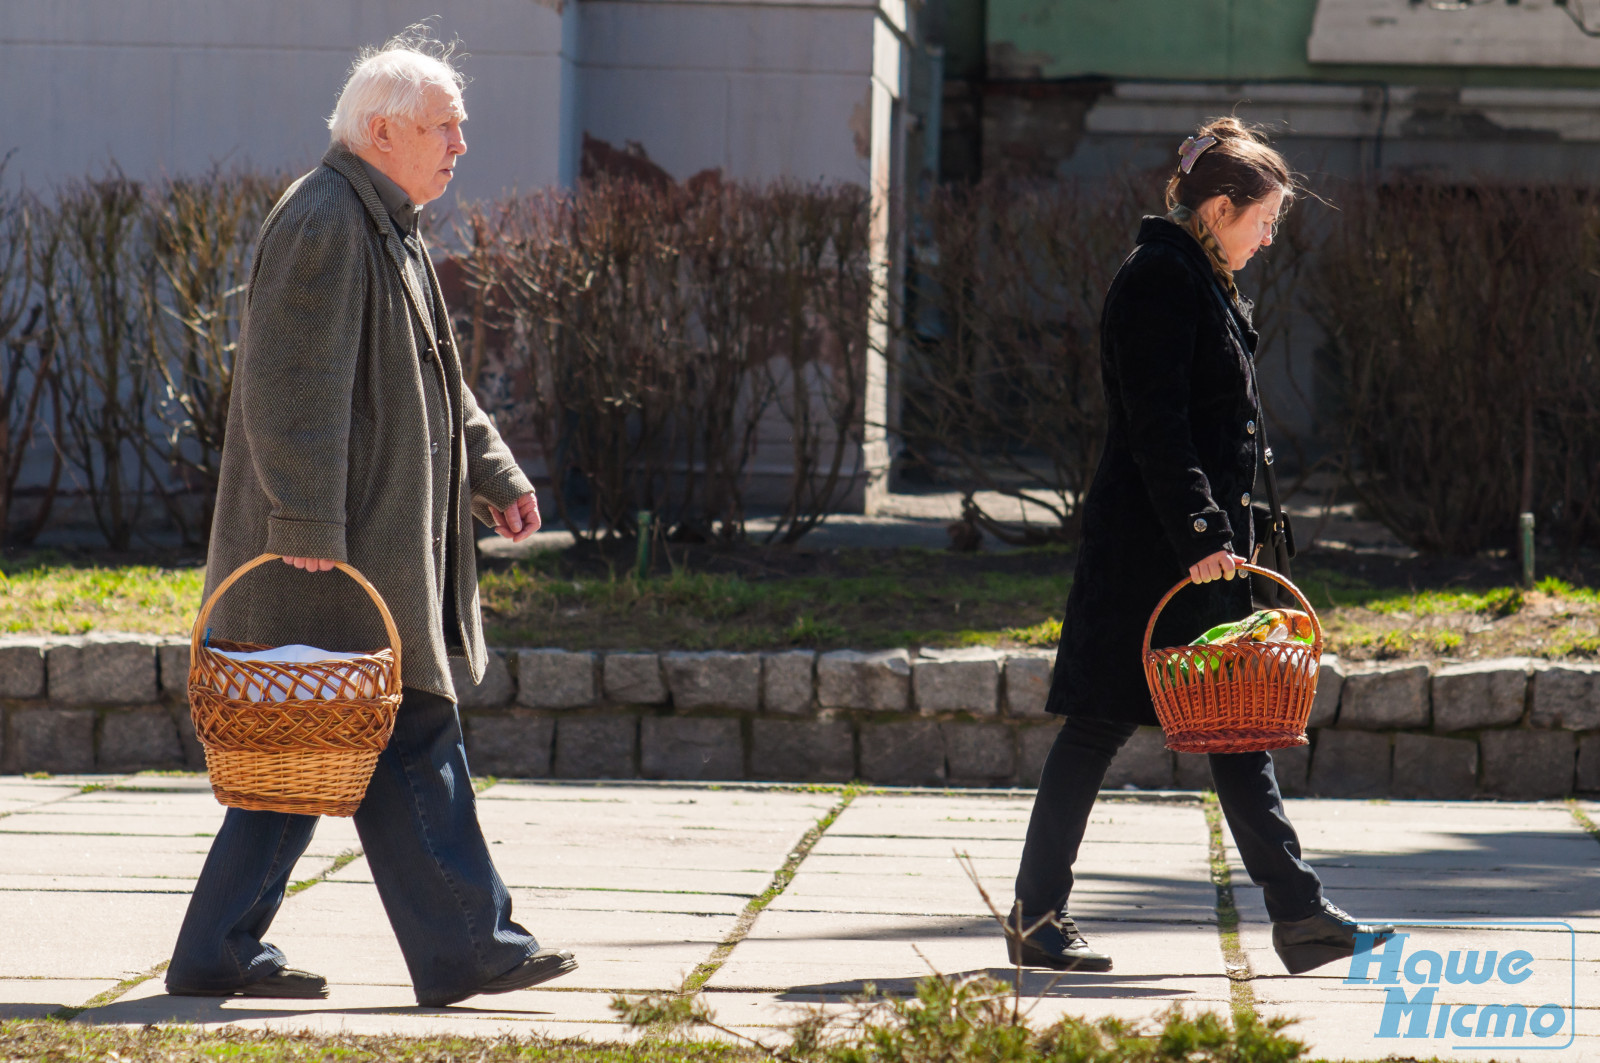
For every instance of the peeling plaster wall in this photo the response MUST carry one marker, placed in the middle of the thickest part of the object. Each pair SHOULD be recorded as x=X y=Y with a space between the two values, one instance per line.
x=176 y=85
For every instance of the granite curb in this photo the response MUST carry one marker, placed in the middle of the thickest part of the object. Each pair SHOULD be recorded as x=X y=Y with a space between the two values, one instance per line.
x=1512 y=728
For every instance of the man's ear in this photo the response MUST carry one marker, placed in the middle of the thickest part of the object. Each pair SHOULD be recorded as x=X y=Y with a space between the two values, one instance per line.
x=378 y=132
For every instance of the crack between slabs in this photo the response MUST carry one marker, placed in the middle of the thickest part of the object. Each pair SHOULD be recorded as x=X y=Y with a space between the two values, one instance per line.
x=1236 y=964
x=84 y=788
x=780 y=882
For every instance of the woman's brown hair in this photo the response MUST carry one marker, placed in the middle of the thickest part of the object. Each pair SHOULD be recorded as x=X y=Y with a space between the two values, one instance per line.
x=1240 y=165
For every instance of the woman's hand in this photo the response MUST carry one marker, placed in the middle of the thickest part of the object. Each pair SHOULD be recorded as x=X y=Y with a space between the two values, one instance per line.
x=1220 y=565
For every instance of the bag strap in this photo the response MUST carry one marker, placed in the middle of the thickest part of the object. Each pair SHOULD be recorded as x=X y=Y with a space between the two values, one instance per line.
x=1263 y=449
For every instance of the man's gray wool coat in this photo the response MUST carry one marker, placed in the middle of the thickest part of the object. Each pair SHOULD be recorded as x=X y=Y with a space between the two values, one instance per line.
x=329 y=451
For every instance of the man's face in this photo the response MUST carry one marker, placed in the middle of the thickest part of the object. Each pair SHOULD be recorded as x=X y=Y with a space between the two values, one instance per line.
x=419 y=154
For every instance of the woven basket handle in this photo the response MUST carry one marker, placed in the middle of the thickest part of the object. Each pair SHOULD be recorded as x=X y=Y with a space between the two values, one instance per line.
x=372 y=592
x=1316 y=625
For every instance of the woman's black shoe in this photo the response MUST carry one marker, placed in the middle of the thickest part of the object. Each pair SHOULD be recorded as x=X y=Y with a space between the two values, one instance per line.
x=1323 y=937
x=1056 y=945
x=540 y=967
x=285 y=983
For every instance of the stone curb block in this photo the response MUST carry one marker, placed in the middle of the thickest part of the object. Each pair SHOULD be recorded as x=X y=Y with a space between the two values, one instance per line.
x=1350 y=764
x=172 y=669
x=788 y=682
x=802 y=750
x=1528 y=765
x=555 y=679
x=713 y=680
x=21 y=668
x=1292 y=767
x=1027 y=683
x=874 y=682
x=139 y=739
x=1144 y=761
x=595 y=747
x=53 y=740
x=109 y=671
x=1480 y=694
x=1033 y=746
x=1445 y=769
x=982 y=754
x=1383 y=698
x=903 y=754
x=1330 y=685
x=1565 y=696
x=677 y=747
x=1588 y=763
x=961 y=685
x=634 y=679
x=512 y=744
x=494 y=691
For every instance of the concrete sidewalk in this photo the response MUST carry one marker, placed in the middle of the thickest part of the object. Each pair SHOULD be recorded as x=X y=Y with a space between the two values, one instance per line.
x=648 y=883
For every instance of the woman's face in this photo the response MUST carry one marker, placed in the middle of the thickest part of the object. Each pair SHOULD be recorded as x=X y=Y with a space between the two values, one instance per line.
x=1245 y=230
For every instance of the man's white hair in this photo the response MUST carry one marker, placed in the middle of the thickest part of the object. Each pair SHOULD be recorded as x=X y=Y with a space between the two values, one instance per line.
x=391 y=82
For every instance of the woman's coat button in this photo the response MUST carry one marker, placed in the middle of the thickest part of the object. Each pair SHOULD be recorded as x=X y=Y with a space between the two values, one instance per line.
x=1200 y=524
x=1250 y=427
x=1244 y=500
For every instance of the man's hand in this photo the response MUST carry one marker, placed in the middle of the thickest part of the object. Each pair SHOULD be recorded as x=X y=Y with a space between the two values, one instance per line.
x=311 y=564
x=518 y=520
x=1220 y=565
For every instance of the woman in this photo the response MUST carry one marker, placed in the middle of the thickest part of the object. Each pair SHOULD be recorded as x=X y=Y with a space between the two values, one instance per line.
x=1171 y=495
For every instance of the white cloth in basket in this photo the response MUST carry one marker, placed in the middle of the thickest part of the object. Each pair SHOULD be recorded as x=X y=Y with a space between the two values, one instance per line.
x=279 y=689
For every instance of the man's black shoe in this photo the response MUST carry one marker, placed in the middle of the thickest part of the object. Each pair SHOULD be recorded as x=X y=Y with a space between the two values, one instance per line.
x=1056 y=945
x=1322 y=937
x=540 y=967
x=285 y=983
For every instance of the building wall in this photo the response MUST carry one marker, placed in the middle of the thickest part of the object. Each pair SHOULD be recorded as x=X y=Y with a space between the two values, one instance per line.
x=756 y=91
x=1251 y=40
x=176 y=86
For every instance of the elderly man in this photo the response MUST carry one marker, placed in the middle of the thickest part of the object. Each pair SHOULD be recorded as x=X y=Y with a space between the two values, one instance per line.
x=351 y=437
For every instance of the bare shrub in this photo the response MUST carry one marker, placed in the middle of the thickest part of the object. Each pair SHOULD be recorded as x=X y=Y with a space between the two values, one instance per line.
x=105 y=382
x=810 y=339
x=654 y=326
x=1002 y=384
x=1462 y=327
x=200 y=234
x=28 y=386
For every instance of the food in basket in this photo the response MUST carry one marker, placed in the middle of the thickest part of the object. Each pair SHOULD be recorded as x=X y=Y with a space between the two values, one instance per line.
x=286 y=684
x=1265 y=625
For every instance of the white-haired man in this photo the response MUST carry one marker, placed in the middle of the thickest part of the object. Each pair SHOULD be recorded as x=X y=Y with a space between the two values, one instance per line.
x=351 y=437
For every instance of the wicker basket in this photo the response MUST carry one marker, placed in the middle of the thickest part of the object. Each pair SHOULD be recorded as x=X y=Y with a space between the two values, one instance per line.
x=1234 y=698
x=299 y=738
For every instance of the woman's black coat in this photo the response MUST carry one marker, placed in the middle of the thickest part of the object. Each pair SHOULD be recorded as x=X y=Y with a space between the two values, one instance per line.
x=1174 y=481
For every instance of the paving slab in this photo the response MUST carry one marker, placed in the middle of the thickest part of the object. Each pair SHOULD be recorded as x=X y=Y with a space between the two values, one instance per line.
x=87 y=935
x=360 y=1009
x=1464 y=861
x=34 y=998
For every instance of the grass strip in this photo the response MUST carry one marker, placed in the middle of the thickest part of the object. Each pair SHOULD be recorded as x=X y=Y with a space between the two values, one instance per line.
x=101 y=999
x=1583 y=819
x=780 y=882
x=1237 y=964
x=42 y=1039
x=340 y=862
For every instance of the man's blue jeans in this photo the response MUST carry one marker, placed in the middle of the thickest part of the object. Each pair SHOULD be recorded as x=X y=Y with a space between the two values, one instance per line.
x=419 y=830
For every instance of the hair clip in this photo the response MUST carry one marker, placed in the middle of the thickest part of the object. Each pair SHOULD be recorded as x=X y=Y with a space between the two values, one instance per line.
x=1191 y=150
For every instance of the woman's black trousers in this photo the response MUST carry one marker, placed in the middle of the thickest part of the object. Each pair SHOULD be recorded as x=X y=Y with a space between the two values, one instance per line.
x=1246 y=789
